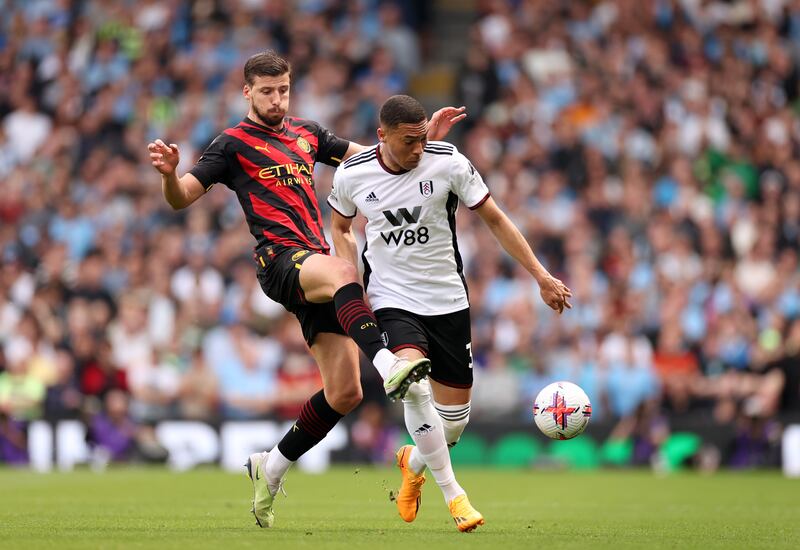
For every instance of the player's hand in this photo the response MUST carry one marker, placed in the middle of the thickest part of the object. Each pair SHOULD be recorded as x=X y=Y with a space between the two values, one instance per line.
x=555 y=293
x=443 y=120
x=164 y=157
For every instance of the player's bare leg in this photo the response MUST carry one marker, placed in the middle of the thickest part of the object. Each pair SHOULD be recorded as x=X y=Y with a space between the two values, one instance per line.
x=325 y=278
x=337 y=358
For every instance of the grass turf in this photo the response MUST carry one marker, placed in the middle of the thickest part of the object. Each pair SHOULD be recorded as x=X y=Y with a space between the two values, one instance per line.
x=350 y=508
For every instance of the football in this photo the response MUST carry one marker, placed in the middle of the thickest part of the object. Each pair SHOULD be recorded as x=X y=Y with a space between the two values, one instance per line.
x=562 y=410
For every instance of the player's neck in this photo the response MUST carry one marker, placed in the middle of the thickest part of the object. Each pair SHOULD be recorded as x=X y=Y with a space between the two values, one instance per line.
x=386 y=160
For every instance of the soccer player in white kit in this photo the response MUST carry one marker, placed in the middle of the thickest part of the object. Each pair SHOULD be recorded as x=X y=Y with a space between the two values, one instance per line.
x=409 y=189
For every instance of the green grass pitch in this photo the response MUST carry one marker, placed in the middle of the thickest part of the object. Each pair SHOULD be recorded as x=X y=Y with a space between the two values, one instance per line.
x=350 y=508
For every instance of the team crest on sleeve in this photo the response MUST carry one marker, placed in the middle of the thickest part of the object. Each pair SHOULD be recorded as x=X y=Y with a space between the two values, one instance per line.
x=426 y=188
x=303 y=144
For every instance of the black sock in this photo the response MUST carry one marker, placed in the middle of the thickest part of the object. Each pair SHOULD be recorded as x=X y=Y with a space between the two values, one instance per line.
x=316 y=419
x=357 y=319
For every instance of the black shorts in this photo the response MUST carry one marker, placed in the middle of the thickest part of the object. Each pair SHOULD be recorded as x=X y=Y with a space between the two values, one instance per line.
x=279 y=276
x=444 y=339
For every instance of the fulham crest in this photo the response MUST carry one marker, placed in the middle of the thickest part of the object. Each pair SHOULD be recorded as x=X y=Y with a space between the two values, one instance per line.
x=426 y=188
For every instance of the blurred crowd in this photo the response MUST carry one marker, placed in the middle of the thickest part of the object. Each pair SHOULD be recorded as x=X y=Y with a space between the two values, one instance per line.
x=648 y=151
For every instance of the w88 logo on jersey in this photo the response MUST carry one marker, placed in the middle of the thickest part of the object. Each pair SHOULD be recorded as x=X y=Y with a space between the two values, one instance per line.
x=406 y=237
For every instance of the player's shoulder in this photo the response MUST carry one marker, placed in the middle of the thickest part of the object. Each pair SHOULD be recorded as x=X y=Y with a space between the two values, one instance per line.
x=440 y=148
x=361 y=159
x=237 y=132
x=223 y=139
x=311 y=125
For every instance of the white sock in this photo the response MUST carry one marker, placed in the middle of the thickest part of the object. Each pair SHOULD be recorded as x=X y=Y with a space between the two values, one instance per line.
x=425 y=427
x=276 y=468
x=416 y=462
x=383 y=361
x=454 y=419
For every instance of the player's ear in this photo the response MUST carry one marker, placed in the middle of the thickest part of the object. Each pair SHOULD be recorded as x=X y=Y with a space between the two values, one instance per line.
x=246 y=91
x=381 y=134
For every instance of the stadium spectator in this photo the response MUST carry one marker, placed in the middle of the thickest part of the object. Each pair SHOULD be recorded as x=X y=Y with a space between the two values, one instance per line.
x=198 y=394
x=13 y=441
x=111 y=433
x=245 y=367
x=21 y=392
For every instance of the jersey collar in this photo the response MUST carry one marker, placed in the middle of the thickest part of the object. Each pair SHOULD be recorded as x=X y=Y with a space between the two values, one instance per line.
x=380 y=161
x=251 y=122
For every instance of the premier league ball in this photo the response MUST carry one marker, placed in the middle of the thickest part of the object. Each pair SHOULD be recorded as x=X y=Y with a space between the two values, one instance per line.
x=562 y=410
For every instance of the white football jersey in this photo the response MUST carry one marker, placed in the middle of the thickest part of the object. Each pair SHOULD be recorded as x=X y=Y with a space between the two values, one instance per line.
x=411 y=258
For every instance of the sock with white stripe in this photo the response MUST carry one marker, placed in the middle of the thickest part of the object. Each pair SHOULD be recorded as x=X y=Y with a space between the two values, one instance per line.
x=454 y=420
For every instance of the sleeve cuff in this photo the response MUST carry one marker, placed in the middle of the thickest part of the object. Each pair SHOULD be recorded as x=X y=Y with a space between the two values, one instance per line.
x=338 y=152
x=339 y=212
x=205 y=185
x=480 y=202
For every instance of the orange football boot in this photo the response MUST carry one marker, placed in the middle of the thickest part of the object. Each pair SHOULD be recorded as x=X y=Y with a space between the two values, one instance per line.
x=466 y=517
x=410 y=494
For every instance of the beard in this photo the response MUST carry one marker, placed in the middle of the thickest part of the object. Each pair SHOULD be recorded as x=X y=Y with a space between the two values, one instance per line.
x=270 y=118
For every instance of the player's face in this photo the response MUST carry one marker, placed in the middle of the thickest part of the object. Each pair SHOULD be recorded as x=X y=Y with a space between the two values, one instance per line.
x=269 y=98
x=405 y=143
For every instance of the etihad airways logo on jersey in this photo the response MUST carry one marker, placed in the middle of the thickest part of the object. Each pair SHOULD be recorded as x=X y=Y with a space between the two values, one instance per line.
x=292 y=173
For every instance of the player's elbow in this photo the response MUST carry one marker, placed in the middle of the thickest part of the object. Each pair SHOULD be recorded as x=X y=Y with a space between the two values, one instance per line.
x=499 y=224
x=341 y=228
x=179 y=202
x=495 y=218
x=337 y=234
x=177 y=205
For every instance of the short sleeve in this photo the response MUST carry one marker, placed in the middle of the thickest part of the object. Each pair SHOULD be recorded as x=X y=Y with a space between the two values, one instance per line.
x=212 y=167
x=339 y=198
x=330 y=147
x=467 y=183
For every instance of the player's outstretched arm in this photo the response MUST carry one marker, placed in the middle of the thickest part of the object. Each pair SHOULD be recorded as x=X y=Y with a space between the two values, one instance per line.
x=554 y=292
x=344 y=240
x=179 y=192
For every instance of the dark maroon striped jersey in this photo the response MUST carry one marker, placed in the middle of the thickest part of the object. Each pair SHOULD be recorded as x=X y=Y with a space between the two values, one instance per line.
x=271 y=173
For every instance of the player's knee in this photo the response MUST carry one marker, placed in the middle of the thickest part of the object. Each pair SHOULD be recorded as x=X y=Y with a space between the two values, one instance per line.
x=345 y=398
x=418 y=393
x=453 y=430
x=344 y=273
x=454 y=421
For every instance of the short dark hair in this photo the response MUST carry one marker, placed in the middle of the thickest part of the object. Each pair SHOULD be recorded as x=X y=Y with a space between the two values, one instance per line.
x=267 y=63
x=402 y=109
